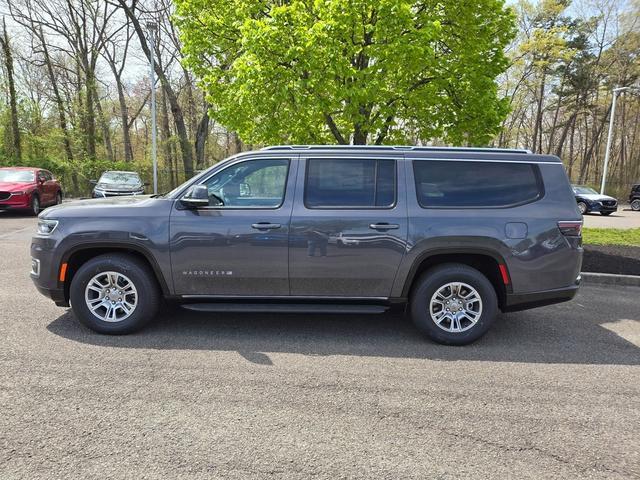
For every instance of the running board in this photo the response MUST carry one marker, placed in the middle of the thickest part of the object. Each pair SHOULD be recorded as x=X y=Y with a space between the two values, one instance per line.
x=284 y=308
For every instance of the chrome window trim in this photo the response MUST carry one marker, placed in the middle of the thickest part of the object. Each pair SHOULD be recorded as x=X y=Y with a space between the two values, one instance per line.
x=236 y=161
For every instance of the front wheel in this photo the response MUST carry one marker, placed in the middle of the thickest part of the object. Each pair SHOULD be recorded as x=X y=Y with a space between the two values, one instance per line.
x=114 y=294
x=583 y=208
x=34 y=206
x=454 y=304
x=606 y=213
x=58 y=198
x=635 y=205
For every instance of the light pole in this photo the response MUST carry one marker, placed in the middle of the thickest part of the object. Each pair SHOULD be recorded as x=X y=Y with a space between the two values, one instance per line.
x=153 y=27
x=616 y=92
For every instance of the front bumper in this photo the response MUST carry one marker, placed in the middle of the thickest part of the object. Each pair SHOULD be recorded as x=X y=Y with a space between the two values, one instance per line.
x=113 y=193
x=17 y=202
x=524 y=301
x=603 y=208
x=46 y=277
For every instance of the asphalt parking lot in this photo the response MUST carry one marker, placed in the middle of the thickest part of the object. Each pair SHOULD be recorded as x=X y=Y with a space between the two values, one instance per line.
x=548 y=393
x=623 y=218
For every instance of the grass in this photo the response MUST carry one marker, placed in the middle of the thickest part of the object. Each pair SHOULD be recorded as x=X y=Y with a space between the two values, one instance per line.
x=611 y=236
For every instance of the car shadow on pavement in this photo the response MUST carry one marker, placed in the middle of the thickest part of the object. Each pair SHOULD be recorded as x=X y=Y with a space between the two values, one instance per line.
x=557 y=334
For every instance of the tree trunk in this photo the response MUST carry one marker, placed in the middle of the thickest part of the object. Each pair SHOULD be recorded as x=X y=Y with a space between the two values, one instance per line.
x=90 y=114
x=201 y=137
x=537 y=128
x=62 y=116
x=176 y=110
x=165 y=137
x=13 y=101
x=106 y=133
x=124 y=118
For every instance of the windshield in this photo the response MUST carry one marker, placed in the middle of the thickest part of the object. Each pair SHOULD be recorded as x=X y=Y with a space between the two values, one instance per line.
x=121 y=178
x=585 y=190
x=10 y=175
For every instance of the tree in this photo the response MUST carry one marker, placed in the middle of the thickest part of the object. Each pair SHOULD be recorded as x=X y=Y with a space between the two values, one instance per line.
x=13 y=99
x=364 y=71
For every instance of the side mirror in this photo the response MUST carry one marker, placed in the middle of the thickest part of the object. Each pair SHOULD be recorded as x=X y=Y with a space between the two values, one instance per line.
x=93 y=182
x=196 y=197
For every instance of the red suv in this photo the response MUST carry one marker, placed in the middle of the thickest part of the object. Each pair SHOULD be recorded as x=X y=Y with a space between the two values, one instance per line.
x=26 y=188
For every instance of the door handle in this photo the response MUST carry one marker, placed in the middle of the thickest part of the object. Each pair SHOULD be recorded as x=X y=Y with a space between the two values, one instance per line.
x=265 y=226
x=384 y=226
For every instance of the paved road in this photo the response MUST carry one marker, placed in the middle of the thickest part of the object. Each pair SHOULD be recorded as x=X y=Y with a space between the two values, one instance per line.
x=550 y=393
x=623 y=218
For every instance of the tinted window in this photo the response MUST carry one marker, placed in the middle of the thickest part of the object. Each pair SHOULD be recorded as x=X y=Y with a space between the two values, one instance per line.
x=475 y=184
x=252 y=184
x=350 y=183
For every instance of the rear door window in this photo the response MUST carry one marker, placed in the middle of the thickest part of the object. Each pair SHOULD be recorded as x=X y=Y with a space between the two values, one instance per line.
x=454 y=184
x=350 y=183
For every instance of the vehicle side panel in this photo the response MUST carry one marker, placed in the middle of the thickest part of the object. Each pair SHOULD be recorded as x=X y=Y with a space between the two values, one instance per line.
x=542 y=260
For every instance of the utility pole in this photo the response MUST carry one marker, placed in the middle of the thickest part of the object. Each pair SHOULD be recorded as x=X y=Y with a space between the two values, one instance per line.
x=616 y=92
x=153 y=27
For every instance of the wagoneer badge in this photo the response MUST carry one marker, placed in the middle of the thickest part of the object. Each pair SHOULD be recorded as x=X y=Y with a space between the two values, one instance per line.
x=208 y=273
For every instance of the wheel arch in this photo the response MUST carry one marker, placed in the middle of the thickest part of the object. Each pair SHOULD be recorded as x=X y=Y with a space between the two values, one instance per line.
x=487 y=262
x=78 y=255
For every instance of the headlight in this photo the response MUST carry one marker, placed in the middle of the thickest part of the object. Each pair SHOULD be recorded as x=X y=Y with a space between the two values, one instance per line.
x=46 y=227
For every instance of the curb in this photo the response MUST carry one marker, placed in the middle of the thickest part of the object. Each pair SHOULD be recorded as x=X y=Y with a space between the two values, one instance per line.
x=610 y=279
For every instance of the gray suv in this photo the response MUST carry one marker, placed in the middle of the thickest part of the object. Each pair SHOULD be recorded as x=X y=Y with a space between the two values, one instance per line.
x=452 y=234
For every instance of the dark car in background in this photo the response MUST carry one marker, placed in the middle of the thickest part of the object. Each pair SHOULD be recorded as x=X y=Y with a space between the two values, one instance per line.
x=590 y=201
x=634 y=198
x=117 y=184
x=27 y=188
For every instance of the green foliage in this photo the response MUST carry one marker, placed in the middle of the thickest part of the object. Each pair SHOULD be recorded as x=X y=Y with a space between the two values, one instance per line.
x=362 y=71
x=611 y=236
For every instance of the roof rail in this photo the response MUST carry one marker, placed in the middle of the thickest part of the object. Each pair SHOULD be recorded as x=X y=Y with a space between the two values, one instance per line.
x=396 y=147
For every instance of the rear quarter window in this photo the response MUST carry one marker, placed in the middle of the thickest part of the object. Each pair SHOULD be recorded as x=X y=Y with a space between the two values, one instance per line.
x=475 y=184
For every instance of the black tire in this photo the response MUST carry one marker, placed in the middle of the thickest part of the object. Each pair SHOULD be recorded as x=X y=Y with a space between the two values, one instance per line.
x=58 y=198
x=34 y=205
x=137 y=271
x=606 y=214
x=635 y=205
x=583 y=207
x=437 y=277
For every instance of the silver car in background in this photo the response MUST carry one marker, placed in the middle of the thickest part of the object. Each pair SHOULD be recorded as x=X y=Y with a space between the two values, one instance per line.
x=118 y=183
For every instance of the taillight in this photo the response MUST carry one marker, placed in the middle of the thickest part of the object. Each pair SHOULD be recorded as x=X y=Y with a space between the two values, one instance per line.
x=570 y=228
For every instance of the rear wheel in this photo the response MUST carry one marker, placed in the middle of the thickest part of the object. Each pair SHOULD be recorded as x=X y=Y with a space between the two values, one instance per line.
x=635 y=205
x=114 y=294
x=453 y=304
x=583 y=207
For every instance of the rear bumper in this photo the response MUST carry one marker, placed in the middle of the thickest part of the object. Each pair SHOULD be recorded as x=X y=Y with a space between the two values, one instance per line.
x=524 y=301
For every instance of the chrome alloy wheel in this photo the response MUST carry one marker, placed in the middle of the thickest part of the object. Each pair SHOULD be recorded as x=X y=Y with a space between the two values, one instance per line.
x=111 y=296
x=455 y=307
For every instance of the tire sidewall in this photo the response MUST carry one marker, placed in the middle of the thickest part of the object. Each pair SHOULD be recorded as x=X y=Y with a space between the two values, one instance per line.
x=586 y=208
x=148 y=297
x=635 y=205
x=35 y=210
x=435 y=279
